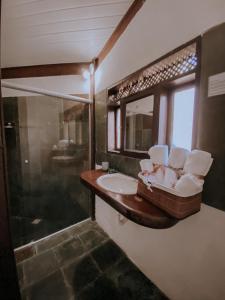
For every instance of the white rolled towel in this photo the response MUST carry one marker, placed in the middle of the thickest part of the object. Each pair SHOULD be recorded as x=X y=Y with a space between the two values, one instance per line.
x=155 y=177
x=198 y=162
x=159 y=154
x=170 y=178
x=159 y=176
x=189 y=185
x=146 y=165
x=177 y=157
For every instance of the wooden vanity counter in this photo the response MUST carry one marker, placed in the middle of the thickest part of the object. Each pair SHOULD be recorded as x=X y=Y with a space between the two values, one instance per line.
x=132 y=207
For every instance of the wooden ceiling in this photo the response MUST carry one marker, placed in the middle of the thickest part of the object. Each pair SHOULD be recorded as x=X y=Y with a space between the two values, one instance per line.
x=37 y=32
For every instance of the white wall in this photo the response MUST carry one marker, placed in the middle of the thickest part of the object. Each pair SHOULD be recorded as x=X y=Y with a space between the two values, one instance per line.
x=159 y=27
x=187 y=261
x=70 y=84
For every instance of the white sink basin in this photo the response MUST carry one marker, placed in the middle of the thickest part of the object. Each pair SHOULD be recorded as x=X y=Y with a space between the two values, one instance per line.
x=118 y=183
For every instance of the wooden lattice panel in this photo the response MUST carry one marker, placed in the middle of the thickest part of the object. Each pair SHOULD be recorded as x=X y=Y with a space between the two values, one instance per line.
x=169 y=68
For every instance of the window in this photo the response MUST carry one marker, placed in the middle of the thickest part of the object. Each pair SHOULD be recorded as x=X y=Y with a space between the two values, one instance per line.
x=136 y=125
x=117 y=129
x=114 y=129
x=182 y=122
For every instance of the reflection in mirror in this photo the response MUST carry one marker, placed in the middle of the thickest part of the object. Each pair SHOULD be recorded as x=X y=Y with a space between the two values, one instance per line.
x=139 y=123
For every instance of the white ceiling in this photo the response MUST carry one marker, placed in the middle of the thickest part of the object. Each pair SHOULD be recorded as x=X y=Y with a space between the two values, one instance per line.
x=57 y=31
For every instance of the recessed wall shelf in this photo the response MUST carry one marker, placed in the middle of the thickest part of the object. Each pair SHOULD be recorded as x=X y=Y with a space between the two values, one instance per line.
x=132 y=207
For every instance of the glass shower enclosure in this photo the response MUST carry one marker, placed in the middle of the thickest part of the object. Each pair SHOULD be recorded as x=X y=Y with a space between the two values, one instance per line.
x=47 y=143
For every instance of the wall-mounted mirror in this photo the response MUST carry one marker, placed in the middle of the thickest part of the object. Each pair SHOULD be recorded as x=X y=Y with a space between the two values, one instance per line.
x=139 y=125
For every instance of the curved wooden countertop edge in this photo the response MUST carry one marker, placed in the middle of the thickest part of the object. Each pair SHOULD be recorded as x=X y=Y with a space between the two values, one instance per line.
x=133 y=207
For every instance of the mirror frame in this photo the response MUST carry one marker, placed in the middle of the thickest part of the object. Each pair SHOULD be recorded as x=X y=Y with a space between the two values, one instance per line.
x=156 y=91
x=154 y=127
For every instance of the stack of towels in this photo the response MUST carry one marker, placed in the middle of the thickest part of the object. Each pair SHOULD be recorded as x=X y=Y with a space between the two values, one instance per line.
x=181 y=170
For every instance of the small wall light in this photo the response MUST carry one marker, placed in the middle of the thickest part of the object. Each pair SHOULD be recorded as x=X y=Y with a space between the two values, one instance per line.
x=91 y=69
x=86 y=74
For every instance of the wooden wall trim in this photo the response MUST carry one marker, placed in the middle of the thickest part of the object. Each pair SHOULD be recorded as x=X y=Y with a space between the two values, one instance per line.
x=121 y=27
x=92 y=117
x=197 y=93
x=45 y=70
x=92 y=146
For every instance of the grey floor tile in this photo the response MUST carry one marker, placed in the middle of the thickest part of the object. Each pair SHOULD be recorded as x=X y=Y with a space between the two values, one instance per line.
x=107 y=254
x=80 y=273
x=24 y=253
x=24 y=295
x=20 y=275
x=69 y=250
x=158 y=295
x=39 y=267
x=134 y=285
x=52 y=287
x=80 y=228
x=83 y=264
x=52 y=241
x=92 y=239
x=99 y=229
x=102 y=288
x=123 y=266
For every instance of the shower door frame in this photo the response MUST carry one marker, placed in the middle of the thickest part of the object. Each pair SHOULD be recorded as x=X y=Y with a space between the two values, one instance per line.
x=6 y=247
x=9 y=285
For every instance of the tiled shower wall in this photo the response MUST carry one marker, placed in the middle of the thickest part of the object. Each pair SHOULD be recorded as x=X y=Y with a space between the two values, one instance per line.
x=46 y=194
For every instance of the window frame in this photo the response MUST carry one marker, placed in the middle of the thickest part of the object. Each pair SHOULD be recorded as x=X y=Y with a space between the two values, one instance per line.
x=123 y=127
x=163 y=89
x=122 y=105
x=117 y=148
x=113 y=109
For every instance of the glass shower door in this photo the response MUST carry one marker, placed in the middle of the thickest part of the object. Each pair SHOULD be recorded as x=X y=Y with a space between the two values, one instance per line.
x=47 y=148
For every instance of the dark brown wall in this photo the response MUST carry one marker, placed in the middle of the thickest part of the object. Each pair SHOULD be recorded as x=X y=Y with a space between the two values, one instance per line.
x=211 y=131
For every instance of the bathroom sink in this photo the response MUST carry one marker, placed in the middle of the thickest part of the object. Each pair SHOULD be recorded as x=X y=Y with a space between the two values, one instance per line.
x=118 y=183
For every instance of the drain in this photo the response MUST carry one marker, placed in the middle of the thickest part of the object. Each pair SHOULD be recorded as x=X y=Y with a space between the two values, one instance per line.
x=36 y=221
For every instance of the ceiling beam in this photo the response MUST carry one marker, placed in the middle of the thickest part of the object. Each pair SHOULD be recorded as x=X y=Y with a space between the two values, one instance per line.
x=121 y=27
x=45 y=70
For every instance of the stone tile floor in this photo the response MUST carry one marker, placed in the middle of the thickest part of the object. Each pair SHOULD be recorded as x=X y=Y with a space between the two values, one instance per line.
x=25 y=230
x=82 y=263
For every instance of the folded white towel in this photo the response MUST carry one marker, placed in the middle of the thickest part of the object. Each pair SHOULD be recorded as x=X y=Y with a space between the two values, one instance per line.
x=159 y=176
x=189 y=185
x=159 y=154
x=155 y=177
x=170 y=178
x=198 y=162
x=177 y=157
x=146 y=165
